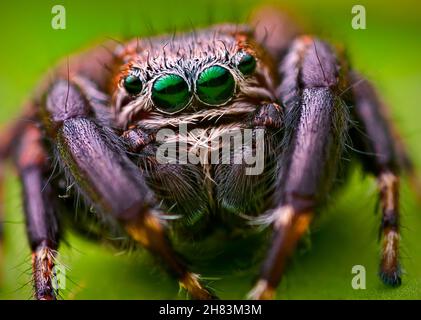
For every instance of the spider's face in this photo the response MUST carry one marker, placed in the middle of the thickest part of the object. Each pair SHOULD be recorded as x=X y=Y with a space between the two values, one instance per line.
x=191 y=78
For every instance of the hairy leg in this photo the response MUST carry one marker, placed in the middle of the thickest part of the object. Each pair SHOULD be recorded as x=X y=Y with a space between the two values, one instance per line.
x=97 y=161
x=316 y=123
x=383 y=154
x=41 y=220
x=8 y=141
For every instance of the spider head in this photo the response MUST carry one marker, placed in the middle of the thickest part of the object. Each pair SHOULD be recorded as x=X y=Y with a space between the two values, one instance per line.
x=191 y=78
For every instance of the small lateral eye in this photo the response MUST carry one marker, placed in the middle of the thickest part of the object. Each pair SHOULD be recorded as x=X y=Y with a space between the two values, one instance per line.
x=132 y=84
x=246 y=64
x=170 y=93
x=215 y=85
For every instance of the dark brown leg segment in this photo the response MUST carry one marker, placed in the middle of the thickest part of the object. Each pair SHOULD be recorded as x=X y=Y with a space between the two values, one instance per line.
x=316 y=123
x=390 y=271
x=8 y=139
x=384 y=156
x=109 y=179
x=41 y=220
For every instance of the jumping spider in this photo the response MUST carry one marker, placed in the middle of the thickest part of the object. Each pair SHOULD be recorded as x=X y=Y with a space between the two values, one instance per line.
x=99 y=119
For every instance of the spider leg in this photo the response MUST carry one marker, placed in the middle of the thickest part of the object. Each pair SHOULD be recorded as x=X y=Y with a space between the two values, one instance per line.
x=8 y=138
x=96 y=159
x=316 y=123
x=41 y=221
x=384 y=156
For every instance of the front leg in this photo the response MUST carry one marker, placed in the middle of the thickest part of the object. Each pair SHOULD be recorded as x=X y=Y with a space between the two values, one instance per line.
x=316 y=123
x=95 y=158
x=41 y=219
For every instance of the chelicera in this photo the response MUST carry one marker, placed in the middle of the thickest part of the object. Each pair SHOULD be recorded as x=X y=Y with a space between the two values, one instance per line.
x=100 y=125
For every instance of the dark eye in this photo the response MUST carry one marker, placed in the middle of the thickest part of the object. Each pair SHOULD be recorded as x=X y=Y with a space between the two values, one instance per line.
x=170 y=93
x=132 y=84
x=246 y=64
x=215 y=85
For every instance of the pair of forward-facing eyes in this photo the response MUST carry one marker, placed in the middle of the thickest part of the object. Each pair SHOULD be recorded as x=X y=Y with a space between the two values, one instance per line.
x=215 y=86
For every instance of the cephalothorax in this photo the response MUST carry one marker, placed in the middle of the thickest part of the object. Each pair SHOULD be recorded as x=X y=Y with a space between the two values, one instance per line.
x=108 y=113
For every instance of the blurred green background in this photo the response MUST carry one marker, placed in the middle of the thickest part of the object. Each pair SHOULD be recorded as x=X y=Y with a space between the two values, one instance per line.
x=388 y=52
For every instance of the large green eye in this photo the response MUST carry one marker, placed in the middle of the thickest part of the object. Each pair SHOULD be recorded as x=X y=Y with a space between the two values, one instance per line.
x=132 y=84
x=246 y=64
x=170 y=93
x=215 y=85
